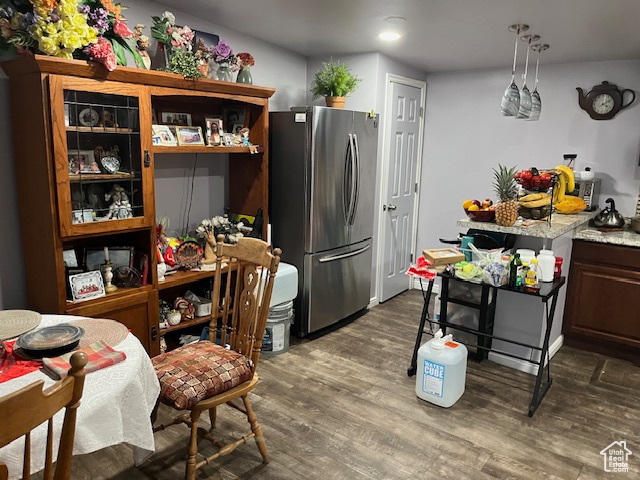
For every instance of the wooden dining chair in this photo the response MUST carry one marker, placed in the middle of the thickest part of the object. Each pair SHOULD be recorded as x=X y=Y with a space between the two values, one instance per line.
x=201 y=376
x=31 y=406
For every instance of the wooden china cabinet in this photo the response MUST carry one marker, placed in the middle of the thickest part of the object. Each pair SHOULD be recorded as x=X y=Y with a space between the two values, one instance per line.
x=67 y=116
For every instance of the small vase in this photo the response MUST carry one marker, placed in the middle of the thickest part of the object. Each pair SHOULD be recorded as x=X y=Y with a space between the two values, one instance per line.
x=224 y=73
x=244 y=76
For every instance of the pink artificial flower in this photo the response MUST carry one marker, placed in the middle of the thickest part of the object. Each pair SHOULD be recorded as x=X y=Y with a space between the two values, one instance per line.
x=103 y=53
x=120 y=28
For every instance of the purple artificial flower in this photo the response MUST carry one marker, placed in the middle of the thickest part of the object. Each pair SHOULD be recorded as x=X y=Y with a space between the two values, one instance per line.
x=55 y=16
x=222 y=51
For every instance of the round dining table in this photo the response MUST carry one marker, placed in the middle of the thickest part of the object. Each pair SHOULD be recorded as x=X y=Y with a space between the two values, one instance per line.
x=116 y=406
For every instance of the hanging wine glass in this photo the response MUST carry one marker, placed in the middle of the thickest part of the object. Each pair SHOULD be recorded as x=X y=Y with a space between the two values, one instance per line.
x=511 y=98
x=536 y=102
x=524 y=109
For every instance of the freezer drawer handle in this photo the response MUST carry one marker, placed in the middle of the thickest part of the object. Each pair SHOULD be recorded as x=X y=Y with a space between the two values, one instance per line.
x=344 y=255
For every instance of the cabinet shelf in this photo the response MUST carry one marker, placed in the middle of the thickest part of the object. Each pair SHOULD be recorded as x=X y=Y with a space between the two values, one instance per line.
x=186 y=324
x=189 y=276
x=103 y=130
x=201 y=149
x=120 y=293
x=102 y=177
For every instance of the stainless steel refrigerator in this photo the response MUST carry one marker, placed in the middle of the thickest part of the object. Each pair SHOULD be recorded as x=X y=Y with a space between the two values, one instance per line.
x=322 y=183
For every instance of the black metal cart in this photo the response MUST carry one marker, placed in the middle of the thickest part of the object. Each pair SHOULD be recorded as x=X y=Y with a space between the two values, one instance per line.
x=484 y=333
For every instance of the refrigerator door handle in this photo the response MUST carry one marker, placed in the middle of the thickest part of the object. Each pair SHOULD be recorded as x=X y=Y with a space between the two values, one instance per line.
x=344 y=255
x=354 y=174
x=348 y=191
x=356 y=179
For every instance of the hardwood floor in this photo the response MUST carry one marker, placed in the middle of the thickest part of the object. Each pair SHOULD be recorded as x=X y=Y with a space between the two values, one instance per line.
x=342 y=407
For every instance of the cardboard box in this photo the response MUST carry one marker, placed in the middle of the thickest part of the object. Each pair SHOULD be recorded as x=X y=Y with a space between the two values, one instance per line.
x=443 y=256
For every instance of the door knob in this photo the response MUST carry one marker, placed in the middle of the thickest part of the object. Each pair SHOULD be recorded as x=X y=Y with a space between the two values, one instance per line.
x=391 y=207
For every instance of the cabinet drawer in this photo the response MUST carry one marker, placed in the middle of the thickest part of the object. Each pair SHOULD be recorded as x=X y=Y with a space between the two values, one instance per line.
x=605 y=254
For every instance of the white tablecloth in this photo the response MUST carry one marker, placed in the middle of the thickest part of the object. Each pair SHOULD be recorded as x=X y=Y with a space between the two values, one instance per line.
x=115 y=408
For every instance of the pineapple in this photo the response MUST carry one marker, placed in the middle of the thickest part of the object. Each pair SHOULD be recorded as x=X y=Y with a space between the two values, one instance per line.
x=505 y=188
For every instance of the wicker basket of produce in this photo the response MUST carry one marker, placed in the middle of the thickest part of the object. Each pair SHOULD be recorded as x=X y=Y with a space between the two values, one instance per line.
x=539 y=213
x=535 y=206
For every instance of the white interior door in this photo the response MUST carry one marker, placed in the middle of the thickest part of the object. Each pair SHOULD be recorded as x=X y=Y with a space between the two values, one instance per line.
x=397 y=217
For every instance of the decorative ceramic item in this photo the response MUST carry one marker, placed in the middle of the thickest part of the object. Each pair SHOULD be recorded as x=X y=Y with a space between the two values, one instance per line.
x=120 y=207
x=244 y=61
x=162 y=269
x=174 y=317
x=334 y=79
x=88 y=117
x=223 y=56
x=85 y=286
x=188 y=255
x=108 y=276
x=186 y=308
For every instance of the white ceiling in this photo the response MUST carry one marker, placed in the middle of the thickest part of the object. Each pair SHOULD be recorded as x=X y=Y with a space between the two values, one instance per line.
x=440 y=35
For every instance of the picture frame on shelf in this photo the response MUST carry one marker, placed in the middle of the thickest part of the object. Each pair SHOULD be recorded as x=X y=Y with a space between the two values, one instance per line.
x=214 y=126
x=85 y=286
x=70 y=258
x=235 y=116
x=162 y=135
x=228 y=140
x=82 y=216
x=118 y=256
x=82 y=161
x=189 y=135
x=176 y=118
x=237 y=128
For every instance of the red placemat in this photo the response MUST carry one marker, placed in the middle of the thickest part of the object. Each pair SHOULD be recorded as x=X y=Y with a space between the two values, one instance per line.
x=20 y=367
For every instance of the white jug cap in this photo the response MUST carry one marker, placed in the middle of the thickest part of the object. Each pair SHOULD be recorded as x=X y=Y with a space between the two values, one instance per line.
x=439 y=342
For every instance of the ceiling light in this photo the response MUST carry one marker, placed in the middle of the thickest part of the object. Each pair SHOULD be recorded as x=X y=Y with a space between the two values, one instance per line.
x=389 y=36
x=393 y=29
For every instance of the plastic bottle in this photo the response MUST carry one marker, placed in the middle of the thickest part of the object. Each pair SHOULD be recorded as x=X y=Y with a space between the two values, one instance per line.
x=531 y=280
x=442 y=370
x=515 y=270
x=523 y=273
x=436 y=309
x=547 y=263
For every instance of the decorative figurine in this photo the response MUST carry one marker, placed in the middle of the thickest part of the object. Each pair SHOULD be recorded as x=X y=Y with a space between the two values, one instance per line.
x=206 y=231
x=142 y=43
x=120 y=206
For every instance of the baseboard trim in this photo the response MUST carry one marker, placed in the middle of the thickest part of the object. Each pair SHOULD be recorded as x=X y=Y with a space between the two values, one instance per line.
x=521 y=365
x=373 y=302
x=425 y=283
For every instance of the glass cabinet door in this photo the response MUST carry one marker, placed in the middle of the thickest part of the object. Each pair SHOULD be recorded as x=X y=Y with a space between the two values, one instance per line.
x=100 y=158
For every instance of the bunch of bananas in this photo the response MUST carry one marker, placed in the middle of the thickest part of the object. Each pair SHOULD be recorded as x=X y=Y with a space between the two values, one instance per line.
x=535 y=200
x=566 y=183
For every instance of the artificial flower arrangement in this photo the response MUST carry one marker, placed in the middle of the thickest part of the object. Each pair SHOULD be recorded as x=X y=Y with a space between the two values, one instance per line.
x=82 y=29
x=245 y=60
x=177 y=44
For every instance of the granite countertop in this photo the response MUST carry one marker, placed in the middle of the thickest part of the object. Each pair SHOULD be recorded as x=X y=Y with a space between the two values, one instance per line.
x=560 y=224
x=626 y=238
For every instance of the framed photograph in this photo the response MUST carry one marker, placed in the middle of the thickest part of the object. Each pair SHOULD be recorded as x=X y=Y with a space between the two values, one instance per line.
x=83 y=161
x=236 y=128
x=70 y=258
x=214 y=130
x=228 y=140
x=85 y=286
x=189 y=136
x=236 y=116
x=210 y=40
x=172 y=118
x=162 y=135
x=118 y=256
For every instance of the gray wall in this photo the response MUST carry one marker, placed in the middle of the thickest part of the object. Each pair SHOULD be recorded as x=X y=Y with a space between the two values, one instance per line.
x=466 y=136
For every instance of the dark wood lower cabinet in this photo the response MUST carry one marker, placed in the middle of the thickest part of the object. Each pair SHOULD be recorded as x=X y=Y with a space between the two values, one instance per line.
x=602 y=311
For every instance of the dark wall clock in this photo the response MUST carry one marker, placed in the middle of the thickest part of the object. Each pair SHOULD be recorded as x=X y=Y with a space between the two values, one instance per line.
x=604 y=101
